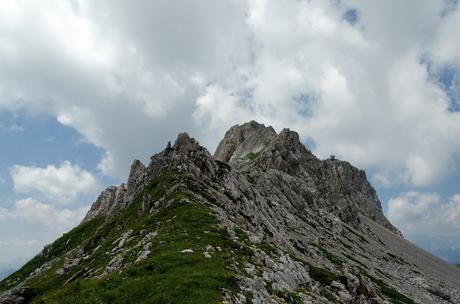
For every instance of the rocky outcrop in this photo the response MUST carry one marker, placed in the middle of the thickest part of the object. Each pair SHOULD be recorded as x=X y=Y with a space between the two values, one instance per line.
x=17 y=295
x=289 y=227
x=109 y=201
x=138 y=176
x=244 y=141
x=185 y=156
x=280 y=160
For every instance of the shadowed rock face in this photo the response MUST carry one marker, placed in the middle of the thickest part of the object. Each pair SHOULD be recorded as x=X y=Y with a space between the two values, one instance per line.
x=274 y=223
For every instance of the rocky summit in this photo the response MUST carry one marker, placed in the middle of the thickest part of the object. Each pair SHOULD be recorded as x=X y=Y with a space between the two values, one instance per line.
x=262 y=221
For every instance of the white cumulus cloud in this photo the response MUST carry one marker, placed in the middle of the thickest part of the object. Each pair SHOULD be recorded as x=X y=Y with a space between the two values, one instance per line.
x=130 y=76
x=35 y=224
x=59 y=184
x=33 y=211
x=418 y=213
x=361 y=92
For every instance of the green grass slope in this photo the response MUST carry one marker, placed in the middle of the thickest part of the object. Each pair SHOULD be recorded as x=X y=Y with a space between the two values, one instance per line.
x=167 y=276
x=182 y=219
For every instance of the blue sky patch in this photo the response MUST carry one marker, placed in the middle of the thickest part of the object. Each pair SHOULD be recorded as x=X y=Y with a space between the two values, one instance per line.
x=450 y=81
x=450 y=6
x=40 y=140
x=447 y=77
x=351 y=16
x=305 y=103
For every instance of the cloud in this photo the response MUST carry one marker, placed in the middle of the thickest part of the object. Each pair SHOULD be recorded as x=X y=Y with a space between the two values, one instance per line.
x=127 y=87
x=61 y=184
x=230 y=112
x=47 y=216
x=360 y=92
x=33 y=224
x=3 y=214
x=17 y=251
x=353 y=77
x=418 y=213
x=35 y=212
x=444 y=49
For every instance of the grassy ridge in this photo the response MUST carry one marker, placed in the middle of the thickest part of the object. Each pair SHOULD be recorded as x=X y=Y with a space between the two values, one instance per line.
x=50 y=252
x=167 y=276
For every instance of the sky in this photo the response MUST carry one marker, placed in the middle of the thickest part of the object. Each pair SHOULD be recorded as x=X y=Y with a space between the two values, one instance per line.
x=88 y=86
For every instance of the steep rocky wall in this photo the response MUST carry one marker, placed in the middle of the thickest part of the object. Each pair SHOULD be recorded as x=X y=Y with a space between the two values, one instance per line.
x=331 y=184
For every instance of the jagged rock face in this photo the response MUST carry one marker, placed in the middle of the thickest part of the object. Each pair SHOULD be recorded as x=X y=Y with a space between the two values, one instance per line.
x=16 y=295
x=114 y=198
x=239 y=141
x=109 y=201
x=185 y=156
x=261 y=221
x=137 y=176
x=331 y=184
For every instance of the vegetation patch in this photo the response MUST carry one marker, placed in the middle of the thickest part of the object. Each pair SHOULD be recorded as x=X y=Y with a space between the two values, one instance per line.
x=331 y=257
x=323 y=276
x=267 y=248
x=326 y=294
x=288 y=297
x=250 y=178
x=251 y=155
x=241 y=235
x=176 y=271
x=354 y=260
x=392 y=294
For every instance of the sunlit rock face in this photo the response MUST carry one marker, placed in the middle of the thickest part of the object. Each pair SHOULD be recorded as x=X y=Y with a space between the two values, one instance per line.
x=332 y=184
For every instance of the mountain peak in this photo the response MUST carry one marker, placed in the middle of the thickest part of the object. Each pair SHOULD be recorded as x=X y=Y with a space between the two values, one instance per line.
x=242 y=140
x=184 y=141
x=255 y=147
x=263 y=221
